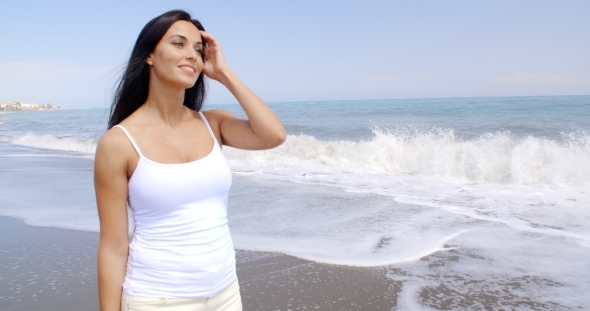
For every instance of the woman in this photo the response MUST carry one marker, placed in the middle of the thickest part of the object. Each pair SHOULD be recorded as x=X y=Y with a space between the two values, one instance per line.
x=162 y=156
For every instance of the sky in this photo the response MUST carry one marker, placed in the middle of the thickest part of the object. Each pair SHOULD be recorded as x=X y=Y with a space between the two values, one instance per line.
x=71 y=53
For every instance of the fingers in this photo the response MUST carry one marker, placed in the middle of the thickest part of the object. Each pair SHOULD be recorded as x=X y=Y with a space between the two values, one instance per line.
x=214 y=60
x=211 y=41
x=206 y=53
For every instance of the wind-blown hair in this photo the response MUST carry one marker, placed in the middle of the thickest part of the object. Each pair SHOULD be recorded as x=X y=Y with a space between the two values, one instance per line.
x=132 y=89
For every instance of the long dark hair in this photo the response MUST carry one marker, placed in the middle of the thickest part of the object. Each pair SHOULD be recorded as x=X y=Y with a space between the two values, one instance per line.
x=132 y=89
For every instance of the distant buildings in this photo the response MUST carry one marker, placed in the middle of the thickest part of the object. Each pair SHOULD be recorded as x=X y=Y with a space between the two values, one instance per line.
x=18 y=106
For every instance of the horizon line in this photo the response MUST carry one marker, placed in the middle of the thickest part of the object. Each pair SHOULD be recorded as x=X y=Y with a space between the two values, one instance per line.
x=373 y=99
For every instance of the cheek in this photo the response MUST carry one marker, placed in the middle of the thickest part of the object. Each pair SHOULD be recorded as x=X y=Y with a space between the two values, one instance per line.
x=200 y=65
x=162 y=71
x=165 y=63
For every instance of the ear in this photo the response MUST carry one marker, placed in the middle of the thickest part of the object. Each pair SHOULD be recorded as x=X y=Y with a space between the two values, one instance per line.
x=149 y=60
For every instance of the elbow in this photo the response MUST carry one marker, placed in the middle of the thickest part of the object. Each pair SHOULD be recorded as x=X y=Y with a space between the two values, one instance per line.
x=277 y=139
x=114 y=246
x=280 y=137
x=118 y=252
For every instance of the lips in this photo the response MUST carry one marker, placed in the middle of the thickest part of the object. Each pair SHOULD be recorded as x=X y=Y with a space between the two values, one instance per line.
x=188 y=69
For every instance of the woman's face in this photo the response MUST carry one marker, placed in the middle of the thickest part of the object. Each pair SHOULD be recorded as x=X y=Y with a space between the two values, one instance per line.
x=176 y=60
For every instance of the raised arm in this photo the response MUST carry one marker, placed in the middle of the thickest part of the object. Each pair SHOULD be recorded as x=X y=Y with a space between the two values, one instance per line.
x=110 y=182
x=262 y=130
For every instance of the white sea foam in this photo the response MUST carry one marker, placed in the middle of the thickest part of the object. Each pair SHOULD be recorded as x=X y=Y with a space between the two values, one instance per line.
x=515 y=269
x=394 y=224
x=530 y=185
x=492 y=158
x=447 y=242
x=369 y=203
x=54 y=142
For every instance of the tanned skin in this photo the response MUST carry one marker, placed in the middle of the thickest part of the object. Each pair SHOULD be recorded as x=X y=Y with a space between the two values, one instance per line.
x=168 y=132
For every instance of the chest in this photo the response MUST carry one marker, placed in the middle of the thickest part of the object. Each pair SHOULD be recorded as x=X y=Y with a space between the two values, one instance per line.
x=156 y=185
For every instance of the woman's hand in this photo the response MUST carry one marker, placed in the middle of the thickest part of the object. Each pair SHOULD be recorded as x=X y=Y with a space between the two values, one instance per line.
x=215 y=66
x=262 y=130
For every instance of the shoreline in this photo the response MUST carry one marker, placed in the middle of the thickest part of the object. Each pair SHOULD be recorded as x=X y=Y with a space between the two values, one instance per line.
x=31 y=110
x=54 y=269
x=50 y=269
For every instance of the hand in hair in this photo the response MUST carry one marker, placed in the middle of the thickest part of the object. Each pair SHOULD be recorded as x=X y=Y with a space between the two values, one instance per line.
x=215 y=66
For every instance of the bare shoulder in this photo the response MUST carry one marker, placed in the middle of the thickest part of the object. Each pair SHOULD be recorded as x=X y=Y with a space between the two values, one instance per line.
x=218 y=115
x=113 y=148
x=112 y=140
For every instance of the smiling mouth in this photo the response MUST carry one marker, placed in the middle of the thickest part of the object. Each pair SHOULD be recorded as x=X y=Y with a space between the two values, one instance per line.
x=187 y=69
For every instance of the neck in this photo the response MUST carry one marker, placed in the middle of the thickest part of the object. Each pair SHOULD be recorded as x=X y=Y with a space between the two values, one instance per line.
x=165 y=103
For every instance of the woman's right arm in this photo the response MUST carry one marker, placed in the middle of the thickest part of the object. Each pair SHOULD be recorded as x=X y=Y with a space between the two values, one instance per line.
x=110 y=183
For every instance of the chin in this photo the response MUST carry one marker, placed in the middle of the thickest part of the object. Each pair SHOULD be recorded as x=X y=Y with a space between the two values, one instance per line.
x=185 y=83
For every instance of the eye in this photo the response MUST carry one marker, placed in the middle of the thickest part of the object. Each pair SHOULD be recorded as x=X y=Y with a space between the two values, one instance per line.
x=178 y=44
x=200 y=52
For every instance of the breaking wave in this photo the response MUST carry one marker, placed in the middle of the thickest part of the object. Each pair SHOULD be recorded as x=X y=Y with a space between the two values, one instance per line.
x=491 y=158
x=54 y=142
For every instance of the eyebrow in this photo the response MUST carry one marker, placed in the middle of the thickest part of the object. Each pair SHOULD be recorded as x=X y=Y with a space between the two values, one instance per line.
x=185 y=38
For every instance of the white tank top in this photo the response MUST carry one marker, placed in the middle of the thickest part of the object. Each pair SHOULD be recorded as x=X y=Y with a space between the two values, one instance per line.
x=181 y=245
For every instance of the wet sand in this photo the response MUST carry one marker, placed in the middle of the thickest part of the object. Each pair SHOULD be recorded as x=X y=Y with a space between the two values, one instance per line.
x=46 y=268
x=55 y=269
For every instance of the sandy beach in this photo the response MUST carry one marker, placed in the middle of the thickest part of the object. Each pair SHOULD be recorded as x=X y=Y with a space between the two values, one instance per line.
x=46 y=268
x=55 y=269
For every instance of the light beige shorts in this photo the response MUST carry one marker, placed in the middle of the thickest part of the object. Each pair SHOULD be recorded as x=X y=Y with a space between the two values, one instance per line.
x=227 y=300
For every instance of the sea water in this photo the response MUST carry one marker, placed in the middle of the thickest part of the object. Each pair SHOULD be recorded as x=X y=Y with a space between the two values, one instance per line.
x=488 y=191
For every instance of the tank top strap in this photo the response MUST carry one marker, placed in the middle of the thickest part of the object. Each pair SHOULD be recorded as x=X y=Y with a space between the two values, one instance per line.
x=208 y=127
x=130 y=139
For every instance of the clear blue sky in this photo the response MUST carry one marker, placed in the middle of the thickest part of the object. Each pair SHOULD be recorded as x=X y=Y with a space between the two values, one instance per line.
x=70 y=53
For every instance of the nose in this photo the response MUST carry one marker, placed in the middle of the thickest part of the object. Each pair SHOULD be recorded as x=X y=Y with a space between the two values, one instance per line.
x=192 y=55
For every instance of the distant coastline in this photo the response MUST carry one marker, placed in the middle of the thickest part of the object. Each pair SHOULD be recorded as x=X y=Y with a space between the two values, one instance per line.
x=18 y=106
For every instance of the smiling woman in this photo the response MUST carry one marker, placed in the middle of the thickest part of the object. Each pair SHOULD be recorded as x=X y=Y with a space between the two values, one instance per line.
x=162 y=156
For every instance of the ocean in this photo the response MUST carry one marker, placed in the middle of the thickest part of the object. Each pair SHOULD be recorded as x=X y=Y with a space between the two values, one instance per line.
x=472 y=194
